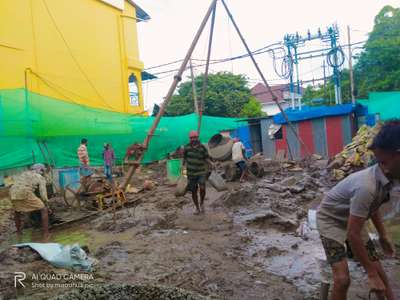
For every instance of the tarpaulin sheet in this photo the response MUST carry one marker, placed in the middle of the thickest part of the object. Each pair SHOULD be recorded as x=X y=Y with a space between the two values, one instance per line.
x=62 y=256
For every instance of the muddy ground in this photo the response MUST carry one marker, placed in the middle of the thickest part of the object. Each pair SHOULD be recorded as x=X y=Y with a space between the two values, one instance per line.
x=253 y=242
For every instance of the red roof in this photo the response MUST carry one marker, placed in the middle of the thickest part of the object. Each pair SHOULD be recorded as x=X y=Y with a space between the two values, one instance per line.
x=262 y=94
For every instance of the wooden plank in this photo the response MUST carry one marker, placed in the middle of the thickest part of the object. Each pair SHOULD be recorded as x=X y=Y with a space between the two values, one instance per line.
x=94 y=214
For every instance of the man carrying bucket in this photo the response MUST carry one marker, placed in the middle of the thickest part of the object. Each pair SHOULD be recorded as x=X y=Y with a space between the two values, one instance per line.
x=196 y=160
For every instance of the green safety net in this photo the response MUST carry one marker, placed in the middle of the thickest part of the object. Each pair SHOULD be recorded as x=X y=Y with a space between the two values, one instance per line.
x=35 y=128
x=386 y=104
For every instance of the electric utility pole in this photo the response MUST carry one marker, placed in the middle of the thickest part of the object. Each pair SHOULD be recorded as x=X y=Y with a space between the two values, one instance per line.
x=353 y=99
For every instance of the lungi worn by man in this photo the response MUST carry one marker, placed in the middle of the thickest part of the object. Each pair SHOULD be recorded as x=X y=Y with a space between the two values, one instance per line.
x=24 y=200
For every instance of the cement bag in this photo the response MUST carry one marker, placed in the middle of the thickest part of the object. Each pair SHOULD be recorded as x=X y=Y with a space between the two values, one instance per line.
x=217 y=182
x=181 y=186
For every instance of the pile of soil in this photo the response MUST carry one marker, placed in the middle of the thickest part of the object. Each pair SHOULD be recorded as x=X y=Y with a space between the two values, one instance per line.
x=129 y=292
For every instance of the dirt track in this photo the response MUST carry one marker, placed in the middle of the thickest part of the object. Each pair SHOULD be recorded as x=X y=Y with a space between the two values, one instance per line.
x=244 y=247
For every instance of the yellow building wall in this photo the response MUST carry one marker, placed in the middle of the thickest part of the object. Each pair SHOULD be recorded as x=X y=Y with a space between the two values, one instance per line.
x=79 y=51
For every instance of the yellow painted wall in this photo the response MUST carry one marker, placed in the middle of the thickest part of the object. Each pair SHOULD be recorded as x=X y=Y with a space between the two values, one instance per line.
x=79 y=51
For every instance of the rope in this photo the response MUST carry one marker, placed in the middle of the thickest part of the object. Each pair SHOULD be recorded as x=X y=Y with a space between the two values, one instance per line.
x=57 y=88
x=73 y=57
x=49 y=84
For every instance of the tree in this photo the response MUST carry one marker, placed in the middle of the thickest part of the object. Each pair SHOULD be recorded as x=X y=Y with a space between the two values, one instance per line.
x=327 y=95
x=252 y=109
x=378 y=66
x=226 y=96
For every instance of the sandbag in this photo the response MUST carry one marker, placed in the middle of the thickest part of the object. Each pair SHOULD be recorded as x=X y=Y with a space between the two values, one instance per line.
x=217 y=182
x=181 y=186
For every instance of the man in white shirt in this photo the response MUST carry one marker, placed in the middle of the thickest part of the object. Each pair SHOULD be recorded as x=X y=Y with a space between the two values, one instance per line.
x=238 y=157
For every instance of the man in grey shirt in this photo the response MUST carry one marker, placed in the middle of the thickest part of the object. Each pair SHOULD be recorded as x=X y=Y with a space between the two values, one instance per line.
x=343 y=213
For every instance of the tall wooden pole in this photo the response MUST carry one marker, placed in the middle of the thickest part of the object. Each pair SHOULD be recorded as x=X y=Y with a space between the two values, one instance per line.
x=204 y=87
x=196 y=105
x=177 y=79
x=274 y=97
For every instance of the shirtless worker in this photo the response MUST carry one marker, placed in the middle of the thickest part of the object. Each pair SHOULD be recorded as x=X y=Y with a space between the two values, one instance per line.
x=347 y=207
x=24 y=200
x=196 y=160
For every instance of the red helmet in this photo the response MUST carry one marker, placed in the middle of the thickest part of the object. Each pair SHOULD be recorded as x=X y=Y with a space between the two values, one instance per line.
x=193 y=134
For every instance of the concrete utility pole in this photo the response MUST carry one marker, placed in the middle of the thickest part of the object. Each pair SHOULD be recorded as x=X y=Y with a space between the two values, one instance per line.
x=324 y=66
x=353 y=99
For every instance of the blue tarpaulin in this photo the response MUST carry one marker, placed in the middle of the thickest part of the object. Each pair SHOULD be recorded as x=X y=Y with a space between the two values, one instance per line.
x=313 y=112
x=243 y=133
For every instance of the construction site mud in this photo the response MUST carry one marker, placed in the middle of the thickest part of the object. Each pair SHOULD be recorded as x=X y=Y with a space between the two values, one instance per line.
x=253 y=242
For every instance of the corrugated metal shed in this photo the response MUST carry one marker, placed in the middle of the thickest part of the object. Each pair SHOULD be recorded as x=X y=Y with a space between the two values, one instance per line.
x=324 y=130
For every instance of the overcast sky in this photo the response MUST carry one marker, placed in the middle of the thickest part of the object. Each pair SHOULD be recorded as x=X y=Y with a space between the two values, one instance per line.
x=167 y=36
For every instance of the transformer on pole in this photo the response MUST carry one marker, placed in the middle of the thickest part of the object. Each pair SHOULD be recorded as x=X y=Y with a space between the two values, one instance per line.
x=334 y=57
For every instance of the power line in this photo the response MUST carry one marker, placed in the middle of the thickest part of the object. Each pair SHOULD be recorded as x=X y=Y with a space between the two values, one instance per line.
x=256 y=52
x=163 y=65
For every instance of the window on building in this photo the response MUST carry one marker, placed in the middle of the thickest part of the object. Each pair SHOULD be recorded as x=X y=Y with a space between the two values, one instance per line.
x=133 y=90
x=278 y=135
x=275 y=132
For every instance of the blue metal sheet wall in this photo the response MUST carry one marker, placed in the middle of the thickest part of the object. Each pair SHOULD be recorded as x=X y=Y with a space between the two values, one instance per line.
x=293 y=142
x=243 y=133
x=268 y=145
x=347 y=129
x=319 y=135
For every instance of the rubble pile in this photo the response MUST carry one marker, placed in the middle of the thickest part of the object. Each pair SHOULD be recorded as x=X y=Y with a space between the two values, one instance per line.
x=289 y=191
x=125 y=291
x=355 y=156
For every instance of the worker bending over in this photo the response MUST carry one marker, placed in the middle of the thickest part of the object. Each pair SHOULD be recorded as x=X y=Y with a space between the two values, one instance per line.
x=347 y=207
x=196 y=160
x=24 y=200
